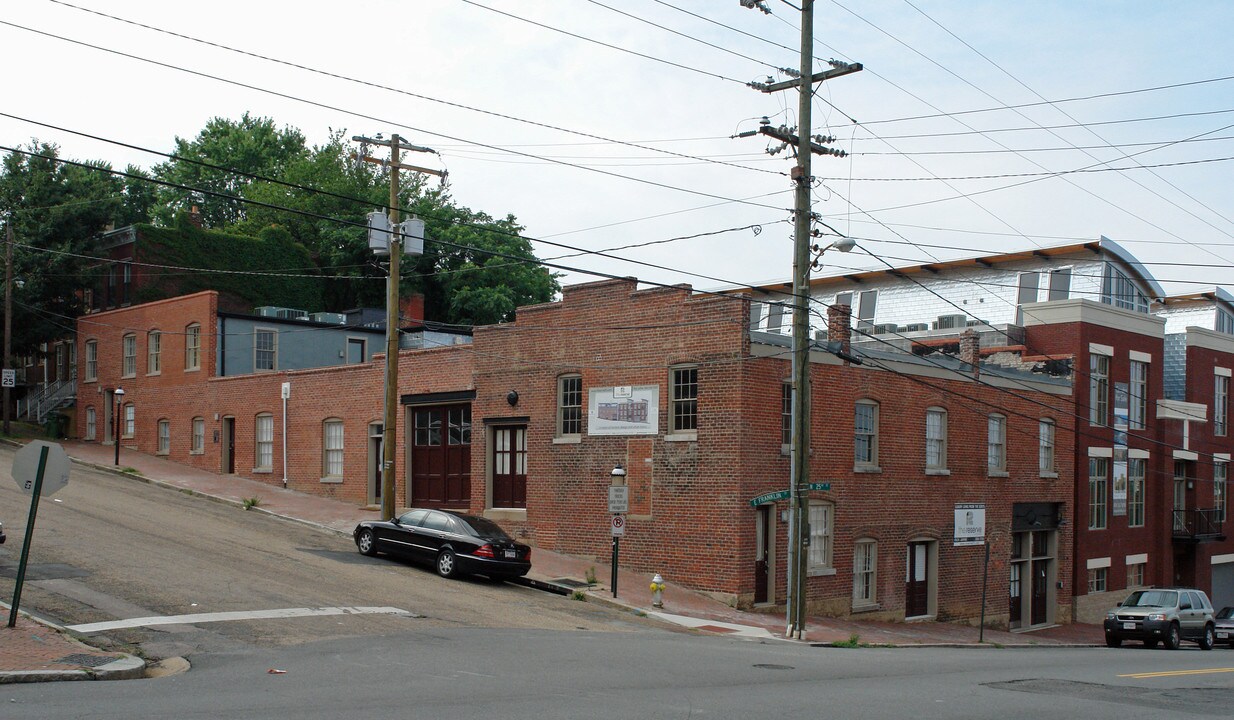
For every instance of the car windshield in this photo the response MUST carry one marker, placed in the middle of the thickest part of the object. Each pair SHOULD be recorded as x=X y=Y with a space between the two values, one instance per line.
x=1152 y=598
x=1226 y=613
x=483 y=527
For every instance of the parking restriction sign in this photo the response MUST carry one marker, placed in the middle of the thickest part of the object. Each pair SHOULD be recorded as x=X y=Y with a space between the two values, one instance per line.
x=619 y=525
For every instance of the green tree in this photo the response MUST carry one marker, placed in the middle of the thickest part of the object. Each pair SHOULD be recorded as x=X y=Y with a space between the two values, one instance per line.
x=250 y=145
x=55 y=210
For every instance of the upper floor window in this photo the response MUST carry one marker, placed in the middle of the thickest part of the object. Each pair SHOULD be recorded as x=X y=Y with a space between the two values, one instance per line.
x=1135 y=492
x=1045 y=446
x=154 y=346
x=569 y=405
x=936 y=439
x=1225 y=322
x=786 y=414
x=1219 y=487
x=863 y=309
x=821 y=530
x=1120 y=291
x=1137 y=417
x=1098 y=389
x=332 y=445
x=129 y=344
x=192 y=347
x=92 y=360
x=1098 y=490
x=1221 y=404
x=996 y=444
x=357 y=350
x=683 y=388
x=264 y=437
x=126 y=290
x=865 y=434
x=265 y=350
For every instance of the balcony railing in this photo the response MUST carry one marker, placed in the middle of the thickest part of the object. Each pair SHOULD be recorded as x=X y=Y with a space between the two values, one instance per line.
x=1198 y=524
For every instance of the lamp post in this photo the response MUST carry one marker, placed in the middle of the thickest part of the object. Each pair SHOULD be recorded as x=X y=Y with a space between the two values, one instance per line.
x=119 y=393
x=618 y=478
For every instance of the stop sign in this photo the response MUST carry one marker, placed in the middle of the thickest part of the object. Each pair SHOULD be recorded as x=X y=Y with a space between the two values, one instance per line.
x=55 y=470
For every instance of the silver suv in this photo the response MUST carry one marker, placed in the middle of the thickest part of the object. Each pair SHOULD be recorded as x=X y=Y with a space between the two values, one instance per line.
x=1166 y=615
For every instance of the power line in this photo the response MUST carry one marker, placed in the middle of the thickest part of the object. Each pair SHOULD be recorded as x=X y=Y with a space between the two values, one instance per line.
x=1058 y=173
x=1071 y=148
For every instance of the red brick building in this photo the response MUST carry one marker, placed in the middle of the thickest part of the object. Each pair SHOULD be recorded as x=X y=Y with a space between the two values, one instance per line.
x=920 y=458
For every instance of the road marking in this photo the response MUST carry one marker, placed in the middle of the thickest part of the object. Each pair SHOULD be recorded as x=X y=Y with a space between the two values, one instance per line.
x=1176 y=673
x=233 y=616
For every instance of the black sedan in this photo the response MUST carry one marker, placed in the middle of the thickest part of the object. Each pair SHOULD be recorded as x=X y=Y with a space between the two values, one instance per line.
x=453 y=542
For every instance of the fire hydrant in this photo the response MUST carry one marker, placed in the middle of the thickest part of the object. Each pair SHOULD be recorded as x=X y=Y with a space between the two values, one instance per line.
x=657 y=591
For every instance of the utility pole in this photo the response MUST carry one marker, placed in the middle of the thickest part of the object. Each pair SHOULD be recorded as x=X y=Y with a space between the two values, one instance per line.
x=802 y=244
x=389 y=423
x=8 y=312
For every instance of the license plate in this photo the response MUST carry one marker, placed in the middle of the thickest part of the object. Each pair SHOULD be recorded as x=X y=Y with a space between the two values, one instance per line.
x=511 y=554
x=1222 y=635
x=1129 y=626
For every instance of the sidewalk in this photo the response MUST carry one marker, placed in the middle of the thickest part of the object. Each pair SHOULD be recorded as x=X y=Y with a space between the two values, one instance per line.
x=564 y=573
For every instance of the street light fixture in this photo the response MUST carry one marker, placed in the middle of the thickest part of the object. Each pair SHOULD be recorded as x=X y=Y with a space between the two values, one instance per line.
x=618 y=476
x=119 y=393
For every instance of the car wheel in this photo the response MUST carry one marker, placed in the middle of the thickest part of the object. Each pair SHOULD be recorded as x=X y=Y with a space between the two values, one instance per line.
x=1113 y=642
x=446 y=566
x=1208 y=638
x=365 y=542
x=1172 y=638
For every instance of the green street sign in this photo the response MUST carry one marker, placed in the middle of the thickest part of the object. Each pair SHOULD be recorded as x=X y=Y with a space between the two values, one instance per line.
x=785 y=494
x=820 y=486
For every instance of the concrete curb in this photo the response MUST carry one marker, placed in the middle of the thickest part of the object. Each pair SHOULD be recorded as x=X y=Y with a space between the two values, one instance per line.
x=124 y=668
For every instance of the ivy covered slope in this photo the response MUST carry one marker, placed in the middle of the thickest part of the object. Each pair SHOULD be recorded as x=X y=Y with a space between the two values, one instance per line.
x=236 y=257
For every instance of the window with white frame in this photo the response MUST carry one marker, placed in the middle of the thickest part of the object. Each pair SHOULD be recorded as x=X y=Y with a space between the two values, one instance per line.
x=199 y=436
x=1045 y=446
x=1136 y=469
x=264 y=437
x=1225 y=322
x=92 y=360
x=786 y=414
x=996 y=444
x=265 y=350
x=1097 y=580
x=1098 y=489
x=154 y=346
x=1219 y=490
x=1135 y=575
x=91 y=423
x=865 y=573
x=192 y=347
x=936 y=438
x=683 y=400
x=332 y=442
x=130 y=420
x=569 y=406
x=164 y=437
x=821 y=516
x=1098 y=389
x=865 y=434
x=1137 y=413
x=129 y=345
x=1221 y=404
x=1120 y=291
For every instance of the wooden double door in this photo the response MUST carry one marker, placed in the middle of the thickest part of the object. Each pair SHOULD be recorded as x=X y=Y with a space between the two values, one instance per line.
x=441 y=457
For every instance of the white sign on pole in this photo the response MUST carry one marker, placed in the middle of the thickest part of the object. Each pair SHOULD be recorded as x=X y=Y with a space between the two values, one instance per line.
x=619 y=499
x=55 y=471
x=619 y=525
x=969 y=524
x=8 y=378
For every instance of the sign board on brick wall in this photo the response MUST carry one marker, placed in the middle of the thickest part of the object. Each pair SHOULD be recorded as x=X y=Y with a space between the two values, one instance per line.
x=623 y=410
x=969 y=524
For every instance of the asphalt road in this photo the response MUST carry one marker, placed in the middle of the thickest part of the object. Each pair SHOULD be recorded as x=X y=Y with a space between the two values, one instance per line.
x=119 y=548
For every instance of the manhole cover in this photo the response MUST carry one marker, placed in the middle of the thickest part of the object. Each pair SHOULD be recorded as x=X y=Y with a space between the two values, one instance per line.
x=85 y=660
x=770 y=666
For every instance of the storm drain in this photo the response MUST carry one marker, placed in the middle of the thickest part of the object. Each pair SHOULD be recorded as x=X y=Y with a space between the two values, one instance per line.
x=770 y=666
x=85 y=660
x=571 y=583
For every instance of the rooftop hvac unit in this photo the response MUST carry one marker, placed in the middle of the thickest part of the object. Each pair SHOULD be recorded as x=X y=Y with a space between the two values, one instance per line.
x=328 y=317
x=916 y=327
x=267 y=311
x=950 y=322
x=291 y=314
x=885 y=329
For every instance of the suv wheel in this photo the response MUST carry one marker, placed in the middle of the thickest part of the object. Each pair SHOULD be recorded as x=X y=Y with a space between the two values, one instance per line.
x=1208 y=638
x=1172 y=637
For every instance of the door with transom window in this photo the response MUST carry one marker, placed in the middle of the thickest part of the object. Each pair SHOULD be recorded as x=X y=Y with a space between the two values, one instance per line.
x=441 y=457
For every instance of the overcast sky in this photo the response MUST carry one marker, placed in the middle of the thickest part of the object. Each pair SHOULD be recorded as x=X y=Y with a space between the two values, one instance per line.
x=907 y=191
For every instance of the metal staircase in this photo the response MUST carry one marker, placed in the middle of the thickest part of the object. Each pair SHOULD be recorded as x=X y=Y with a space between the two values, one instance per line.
x=37 y=406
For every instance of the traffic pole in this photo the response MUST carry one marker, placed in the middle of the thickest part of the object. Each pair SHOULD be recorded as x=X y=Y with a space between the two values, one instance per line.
x=25 y=546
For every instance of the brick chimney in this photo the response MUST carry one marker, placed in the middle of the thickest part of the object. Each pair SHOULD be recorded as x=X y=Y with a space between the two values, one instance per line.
x=840 y=326
x=411 y=310
x=970 y=351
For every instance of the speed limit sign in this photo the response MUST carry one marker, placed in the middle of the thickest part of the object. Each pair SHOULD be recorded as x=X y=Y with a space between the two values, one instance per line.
x=619 y=525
